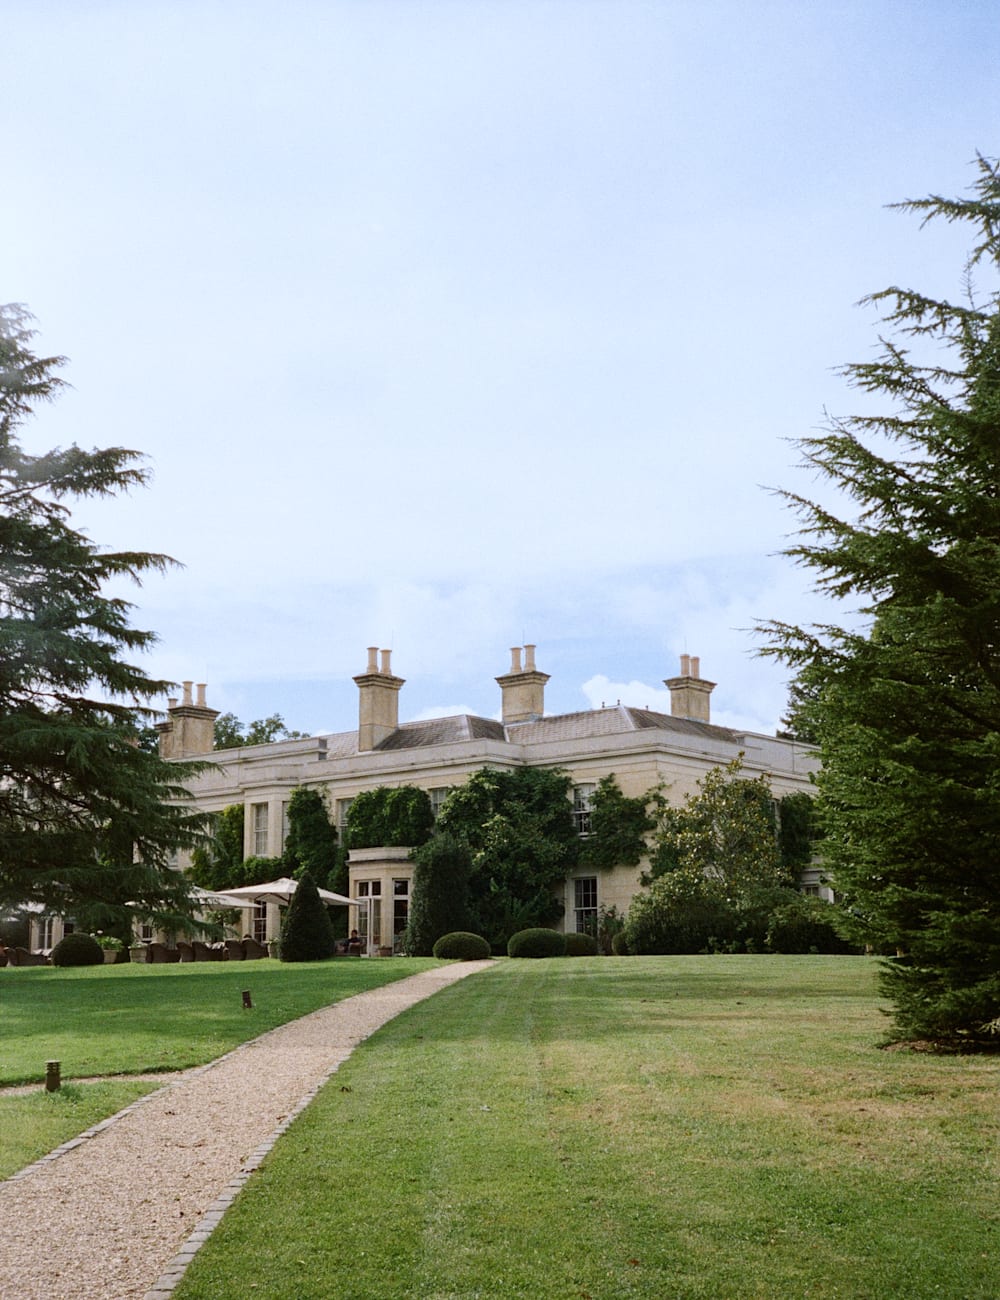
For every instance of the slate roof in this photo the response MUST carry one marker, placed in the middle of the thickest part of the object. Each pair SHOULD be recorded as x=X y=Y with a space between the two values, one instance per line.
x=610 y=722
x=442 y=731
x=562 y=727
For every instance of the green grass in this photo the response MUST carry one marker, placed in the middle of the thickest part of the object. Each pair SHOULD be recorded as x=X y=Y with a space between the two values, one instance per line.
x=122 y=1020
x=690 y=1128
x=100 y=1020
x=34 y=1125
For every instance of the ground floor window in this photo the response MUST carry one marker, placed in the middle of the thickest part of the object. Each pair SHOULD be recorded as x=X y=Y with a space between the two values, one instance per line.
x=260 y=920
x=46 y=928
x=585 y=904
x=370 y=889
x=400 y=912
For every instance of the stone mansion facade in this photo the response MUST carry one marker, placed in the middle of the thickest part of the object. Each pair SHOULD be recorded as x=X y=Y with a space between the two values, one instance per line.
x=642 y=748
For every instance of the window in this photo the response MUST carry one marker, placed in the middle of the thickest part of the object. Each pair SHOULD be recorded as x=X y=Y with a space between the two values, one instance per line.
x=582 y=796
x=370 y=889
x=343 y=808
x=284 y=823
x=260 y=920
x=46 y=926
x=146 y=932
x=259 y=824
x=437 y=797
x=585 y=904
x=400 y=911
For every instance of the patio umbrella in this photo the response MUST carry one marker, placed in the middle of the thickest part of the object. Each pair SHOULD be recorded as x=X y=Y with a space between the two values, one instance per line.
x=210 y=899
x=281 y=891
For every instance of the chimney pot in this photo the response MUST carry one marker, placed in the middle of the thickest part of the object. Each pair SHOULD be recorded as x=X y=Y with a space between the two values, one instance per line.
x=372 y=659
x=386 y=656
x=695 y=666
x=515 y=659
x=187 y=692
x=171 y=701
x=200 y=700
x=685 y=665
x=529 y=658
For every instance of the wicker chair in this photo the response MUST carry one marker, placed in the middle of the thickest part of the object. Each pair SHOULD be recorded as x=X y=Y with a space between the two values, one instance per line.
x=186 y=950
x=252 y=950
x=234 y=950
x=159 y=952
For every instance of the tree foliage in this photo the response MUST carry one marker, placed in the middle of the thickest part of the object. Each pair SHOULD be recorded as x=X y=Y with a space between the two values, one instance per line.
x=231 y=733
x=905 y=705
x=89 y=820
x=619 y=825
x=518 y=827
x=440 y=892
x=311 y=842
x=216 y=863
x=398 y=816
x=716 y=871
x=726 y=830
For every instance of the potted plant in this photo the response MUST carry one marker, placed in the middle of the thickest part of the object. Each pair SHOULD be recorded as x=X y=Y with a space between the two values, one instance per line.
x=112 y=946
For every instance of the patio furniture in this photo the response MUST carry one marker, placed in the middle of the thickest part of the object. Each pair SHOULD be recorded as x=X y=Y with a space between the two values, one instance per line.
x=252 y=950
x=159 y=952
x=186 y=950
x=22 y=957
x=234 y=950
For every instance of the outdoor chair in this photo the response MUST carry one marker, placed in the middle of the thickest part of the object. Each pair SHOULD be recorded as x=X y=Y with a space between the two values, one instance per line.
x=202 y=951
x=159 y=952
x=252 y=950
x=186 y=950
x=26 y=958
x=234 y=950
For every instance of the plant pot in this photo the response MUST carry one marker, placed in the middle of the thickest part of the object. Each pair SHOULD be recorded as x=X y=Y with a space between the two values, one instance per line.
x=110 y=956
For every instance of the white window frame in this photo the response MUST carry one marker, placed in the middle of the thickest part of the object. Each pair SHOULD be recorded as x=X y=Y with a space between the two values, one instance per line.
x=259 y=829
x=583 y=795
x=585 y=906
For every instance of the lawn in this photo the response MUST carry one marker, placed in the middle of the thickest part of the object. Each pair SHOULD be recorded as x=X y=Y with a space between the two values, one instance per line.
x=131 y=1019
x=689 y=1128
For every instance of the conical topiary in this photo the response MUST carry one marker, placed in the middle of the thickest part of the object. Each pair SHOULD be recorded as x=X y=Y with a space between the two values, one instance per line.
x=307 y=932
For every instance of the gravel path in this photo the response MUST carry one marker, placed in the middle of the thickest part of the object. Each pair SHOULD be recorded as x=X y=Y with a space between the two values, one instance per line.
x=120 y=1212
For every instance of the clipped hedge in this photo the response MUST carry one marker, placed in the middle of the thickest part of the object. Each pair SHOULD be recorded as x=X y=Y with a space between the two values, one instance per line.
x=77 y=949
x=537 y=942
x=461 y=945
x=581 y=945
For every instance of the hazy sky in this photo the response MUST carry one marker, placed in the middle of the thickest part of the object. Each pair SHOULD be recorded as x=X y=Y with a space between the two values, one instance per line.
x=455 y=325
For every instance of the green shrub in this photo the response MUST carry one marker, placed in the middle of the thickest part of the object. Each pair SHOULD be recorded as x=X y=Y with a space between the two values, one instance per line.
x=77 y=949
x=805 y=924
x=397 y=816
x=620 y=944
x=307 y=933
x=581 y=945
x=460 y=945
x=537 y=942
x=683 y=911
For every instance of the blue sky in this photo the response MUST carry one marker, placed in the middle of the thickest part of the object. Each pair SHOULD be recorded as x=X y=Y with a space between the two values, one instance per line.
x=453 y=326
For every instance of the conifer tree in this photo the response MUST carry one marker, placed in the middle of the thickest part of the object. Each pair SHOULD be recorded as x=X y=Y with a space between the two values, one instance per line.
x=307 y=931
x=905 y=705
x=89 y=819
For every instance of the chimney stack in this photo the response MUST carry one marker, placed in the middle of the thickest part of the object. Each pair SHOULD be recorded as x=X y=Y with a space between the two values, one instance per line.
x=689 y=693
x=190 y=726
x=522 y=689
x=378 y=700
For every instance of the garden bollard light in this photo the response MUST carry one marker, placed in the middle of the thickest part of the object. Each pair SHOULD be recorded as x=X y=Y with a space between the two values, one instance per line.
x=246 y=999
x=51 y=1076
